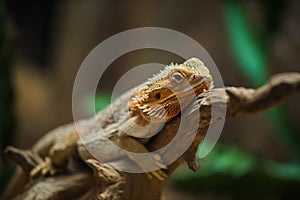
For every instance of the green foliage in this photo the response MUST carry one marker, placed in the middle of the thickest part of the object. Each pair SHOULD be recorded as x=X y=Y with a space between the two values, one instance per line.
x=228 y=170
x=245 y=44
x=102 y=100
x=251 y=53
x=224 y=160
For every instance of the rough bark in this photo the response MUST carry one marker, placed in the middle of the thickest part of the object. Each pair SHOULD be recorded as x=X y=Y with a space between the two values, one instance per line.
x=104 y=182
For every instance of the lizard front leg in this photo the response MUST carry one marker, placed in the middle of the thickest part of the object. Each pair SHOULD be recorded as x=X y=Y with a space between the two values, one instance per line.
x=131 y=144
x=63 y=146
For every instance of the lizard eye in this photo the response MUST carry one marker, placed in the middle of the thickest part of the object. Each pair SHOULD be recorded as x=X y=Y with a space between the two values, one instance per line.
x=177 y=77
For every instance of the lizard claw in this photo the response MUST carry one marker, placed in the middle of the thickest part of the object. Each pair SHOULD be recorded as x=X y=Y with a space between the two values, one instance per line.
x=158 y=161
x=44 y=168
x=159 y=174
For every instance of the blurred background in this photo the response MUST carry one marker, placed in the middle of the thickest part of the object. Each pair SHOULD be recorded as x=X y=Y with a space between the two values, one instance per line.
x=43 y=43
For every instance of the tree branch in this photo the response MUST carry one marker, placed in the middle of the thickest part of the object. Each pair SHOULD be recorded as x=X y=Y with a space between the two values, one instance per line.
x=111 y=184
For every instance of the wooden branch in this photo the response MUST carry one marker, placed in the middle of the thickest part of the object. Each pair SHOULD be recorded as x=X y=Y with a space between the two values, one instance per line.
x=108 y=183
x=246 y=101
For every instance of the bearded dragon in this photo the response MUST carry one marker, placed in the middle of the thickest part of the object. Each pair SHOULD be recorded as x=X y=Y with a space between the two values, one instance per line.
x=158 y=100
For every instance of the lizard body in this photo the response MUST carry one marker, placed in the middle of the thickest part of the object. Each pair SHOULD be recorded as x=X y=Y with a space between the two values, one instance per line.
x=158 y=100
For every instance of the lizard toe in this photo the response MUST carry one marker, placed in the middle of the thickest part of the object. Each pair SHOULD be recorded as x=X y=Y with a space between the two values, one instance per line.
x=43 y=168
x=160 y=175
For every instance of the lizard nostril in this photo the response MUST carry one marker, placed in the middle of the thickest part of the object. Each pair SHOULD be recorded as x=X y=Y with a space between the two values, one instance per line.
x=157 y=96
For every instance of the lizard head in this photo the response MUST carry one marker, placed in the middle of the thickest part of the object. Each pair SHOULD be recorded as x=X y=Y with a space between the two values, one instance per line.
x=164 y=95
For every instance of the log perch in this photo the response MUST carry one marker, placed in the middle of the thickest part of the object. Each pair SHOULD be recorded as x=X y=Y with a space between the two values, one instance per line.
x=95 y=180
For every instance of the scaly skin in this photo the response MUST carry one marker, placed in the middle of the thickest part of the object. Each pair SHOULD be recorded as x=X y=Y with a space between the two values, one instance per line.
x=158 y=100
